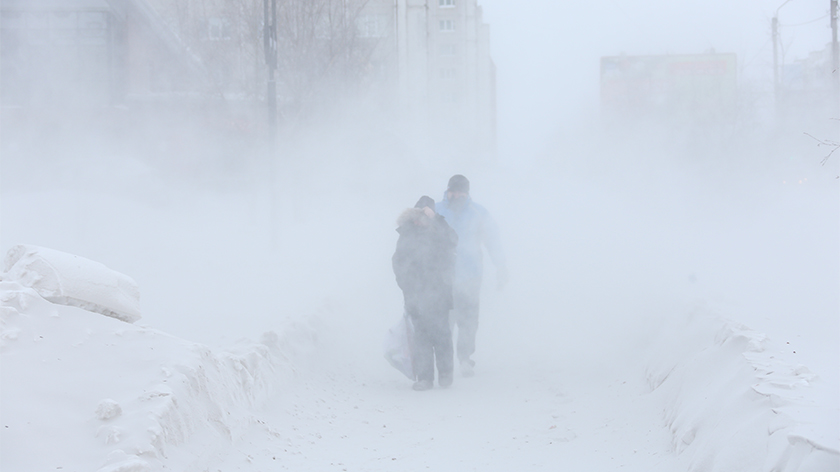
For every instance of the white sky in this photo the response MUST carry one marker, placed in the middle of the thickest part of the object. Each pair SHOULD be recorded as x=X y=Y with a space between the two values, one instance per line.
x=547 y=52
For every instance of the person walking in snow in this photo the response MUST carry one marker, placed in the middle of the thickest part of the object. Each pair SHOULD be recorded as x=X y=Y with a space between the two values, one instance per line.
x=476 y=230
x=423 y=264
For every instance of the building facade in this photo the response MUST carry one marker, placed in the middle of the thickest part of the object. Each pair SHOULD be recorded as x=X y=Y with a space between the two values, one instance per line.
x=808 y=87
x=446 y=73
x=429 y=59
x=88 y=52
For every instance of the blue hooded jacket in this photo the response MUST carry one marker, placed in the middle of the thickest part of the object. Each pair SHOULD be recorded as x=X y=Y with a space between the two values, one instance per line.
x=475 y=229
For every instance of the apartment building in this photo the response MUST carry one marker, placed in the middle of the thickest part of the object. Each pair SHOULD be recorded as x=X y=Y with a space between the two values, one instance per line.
x=88 y=53
x=429 y=58
x=446 y=72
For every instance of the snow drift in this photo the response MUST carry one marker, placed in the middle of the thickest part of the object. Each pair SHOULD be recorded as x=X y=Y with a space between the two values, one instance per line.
x=122 y=397
x=71 y=280
x=732 y=405
x=82 y=391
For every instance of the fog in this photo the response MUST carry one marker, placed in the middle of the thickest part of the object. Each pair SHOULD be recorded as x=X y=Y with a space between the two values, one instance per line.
x=548 y=53
x=618 y=224
x=604 y=229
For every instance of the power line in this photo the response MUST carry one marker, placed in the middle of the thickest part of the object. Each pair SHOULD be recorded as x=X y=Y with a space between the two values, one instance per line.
x=807 y=22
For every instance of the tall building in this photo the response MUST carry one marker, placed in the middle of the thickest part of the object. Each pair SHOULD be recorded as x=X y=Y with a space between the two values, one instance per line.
x=430 y=58
x=446 y=74
x=88 y=53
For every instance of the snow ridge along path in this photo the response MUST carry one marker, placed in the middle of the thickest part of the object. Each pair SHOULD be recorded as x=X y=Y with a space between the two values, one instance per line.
x=100 y=394
x=732 y=404
x=697 y=402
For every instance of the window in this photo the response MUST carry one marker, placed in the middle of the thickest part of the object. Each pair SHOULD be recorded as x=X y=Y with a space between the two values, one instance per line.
x=92 y=24
x=217 y=29
x=447 y=25
x=447 y=74
x=11 y=19
x=71 y=45
x=449 y=97
x=447 y=49
x=370 y=26
x=446 y=3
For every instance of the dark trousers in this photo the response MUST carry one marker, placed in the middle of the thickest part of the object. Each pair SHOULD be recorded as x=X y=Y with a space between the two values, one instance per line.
x=432 y=344
x=465 y=316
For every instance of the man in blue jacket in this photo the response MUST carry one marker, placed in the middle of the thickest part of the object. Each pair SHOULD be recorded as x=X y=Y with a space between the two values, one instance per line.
x=476 y=230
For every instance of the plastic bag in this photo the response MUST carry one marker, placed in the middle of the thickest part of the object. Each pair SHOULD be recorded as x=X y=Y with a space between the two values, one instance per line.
x=398 y=349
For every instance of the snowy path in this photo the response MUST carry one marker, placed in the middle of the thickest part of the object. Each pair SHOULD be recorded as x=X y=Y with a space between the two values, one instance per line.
x=566 y=353
x=351 y=411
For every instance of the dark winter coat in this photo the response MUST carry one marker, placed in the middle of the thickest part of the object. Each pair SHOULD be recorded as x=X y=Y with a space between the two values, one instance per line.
x=424 y=262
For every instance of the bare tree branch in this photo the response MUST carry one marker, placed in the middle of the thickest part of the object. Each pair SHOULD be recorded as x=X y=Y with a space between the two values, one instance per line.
x=832 y=145
x=322 y=56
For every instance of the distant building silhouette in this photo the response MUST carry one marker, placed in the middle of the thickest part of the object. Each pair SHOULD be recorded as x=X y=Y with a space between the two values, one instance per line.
x=427 y=60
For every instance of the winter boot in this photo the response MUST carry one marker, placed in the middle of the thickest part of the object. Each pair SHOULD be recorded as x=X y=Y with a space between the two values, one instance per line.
x=445 y=380
x=467 y=368
x=421 y=385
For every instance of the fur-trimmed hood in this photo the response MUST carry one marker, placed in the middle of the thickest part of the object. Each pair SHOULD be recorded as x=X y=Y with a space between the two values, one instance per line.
x=413 y=215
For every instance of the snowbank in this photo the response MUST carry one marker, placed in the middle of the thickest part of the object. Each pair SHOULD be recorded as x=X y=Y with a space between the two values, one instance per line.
x=68 y=279
x=86 y=392
x=732 y=405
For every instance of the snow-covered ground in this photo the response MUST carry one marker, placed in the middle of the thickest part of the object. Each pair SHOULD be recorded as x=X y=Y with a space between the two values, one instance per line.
x=655 y=321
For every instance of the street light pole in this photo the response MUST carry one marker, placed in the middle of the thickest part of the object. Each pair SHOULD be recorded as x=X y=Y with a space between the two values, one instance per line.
x=775 y=33
x=270 y=48
x=835 y=58
x=777 y=87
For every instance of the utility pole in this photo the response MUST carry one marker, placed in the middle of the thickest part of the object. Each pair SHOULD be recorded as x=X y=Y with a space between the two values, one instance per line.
x=835 y=58
x=775 y=33
x=777 y=86
x=270 y=48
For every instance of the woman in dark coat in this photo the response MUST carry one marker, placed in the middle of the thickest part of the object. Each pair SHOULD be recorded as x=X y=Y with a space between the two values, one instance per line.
x=423 y=264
